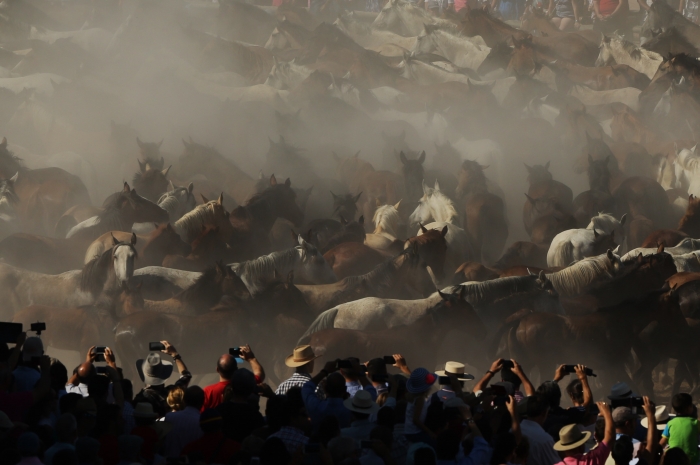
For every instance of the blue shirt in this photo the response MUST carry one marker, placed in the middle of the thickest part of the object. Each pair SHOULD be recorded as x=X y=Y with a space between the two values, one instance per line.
x=358 y=430
x=480 y=454
x=318 y=409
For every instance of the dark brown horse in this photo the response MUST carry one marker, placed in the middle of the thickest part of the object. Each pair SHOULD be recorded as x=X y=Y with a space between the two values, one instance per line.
x=474 y=271
x=432 y=249
x=353 y=259
x=150 y=154
x=544 y=196
x=151 y=182
x=670 y=42
x=523 y=253
x=204 y=250
x=598 y=198
x=689 y=226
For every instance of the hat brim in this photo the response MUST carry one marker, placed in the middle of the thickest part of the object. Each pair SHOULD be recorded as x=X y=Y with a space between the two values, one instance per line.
x=166 y=370
x=414 y=389
x=368 y=411
x=289 y=361
x=461 y=377
x=561 y=447
x=660 y=425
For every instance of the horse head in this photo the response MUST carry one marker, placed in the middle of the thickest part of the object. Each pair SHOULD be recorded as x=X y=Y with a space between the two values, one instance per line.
x=165 y=238
x=432 y=249
x=413 y=173
x=150 y=153
x=151 y=182
x=137 y=208
x=345 y=205
x=123 y=256
x=454 y=312
x=281 y=201
x=215 y=214
x=538 y=173
x=470 y=179
x=422 y=213
x=599 y=174
x=314 y=268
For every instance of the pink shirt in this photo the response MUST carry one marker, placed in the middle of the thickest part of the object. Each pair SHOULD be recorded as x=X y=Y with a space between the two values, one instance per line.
x=595 y=457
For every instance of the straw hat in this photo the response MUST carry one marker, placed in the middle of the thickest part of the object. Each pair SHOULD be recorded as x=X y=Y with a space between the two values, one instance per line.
x=361 y=403
x=301 y=356
x=455 y=368
x=570 y=437
x=662 y=417
x=154 y=371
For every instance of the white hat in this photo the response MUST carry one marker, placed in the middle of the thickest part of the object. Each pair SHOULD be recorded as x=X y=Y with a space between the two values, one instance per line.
x=455 y=368
x=33 y=347
x=154 y=371
x=361 y=403
x=662 y=417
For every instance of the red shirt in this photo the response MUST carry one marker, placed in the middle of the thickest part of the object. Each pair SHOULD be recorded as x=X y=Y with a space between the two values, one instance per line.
x=214 y=395
x=209 y=444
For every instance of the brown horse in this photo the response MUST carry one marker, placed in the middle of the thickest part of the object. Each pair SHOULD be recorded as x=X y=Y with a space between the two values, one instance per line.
x=204 y=250
x=151 y=182
x=627 y=126
x=484 y=213
x=670 y=42
x=546 y=227
x=43 y=194
x=523 y=253
x=598 y=198
x=544 y=196
x=473 y=271
x=353 y=259
x=597 y=78
x=432 y=249
x=452 y=313
x=645 y=197
x=150 y=154
x=689 y=226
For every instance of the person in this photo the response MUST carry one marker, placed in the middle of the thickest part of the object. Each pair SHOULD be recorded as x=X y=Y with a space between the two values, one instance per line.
x=239 y=415
x=610 y=15
x=293 y=422
x=452 y=368
x=342 y=449
x=78 y=382
x=449 y=440
x=302 y=360
x=380 y=454
x=151 y=431
x=572 y=442
x=541 y=443
x=213 y=446
x=509 y=10
x=129 y=447
x=355 y=378
x=154 y=372
x=226 y=367
x=515 y=376
x=335 y=392
x=690 y=9
x=17 y=404
x=66 y=435
x=361 y=406
x=682 y=431
x=559 y=417
x=662 y=418
x=87 y=450
x=28 y=445
x=625 y=424
x=564 y=13
x=675 y=456
x=185 y=422
x=418 y=386
x=27 y=373
x=175 y=399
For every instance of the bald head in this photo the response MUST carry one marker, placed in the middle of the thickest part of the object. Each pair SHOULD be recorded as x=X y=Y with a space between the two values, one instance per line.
x=86 y=371
x=226 y=366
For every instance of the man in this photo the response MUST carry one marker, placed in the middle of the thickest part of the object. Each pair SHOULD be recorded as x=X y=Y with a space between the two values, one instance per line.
x=27 y=373
x=226 y=367
x=332 y=405
x=302 y=360
x=154 y=372
x=378 y=375
x=28 y=445
x=78 y=383
x=515 y=376
x=66 y=433
x=185 y=423
x=559 y=417
x=294 y=423
x=361 y=406
x=239 y=415
x=452 y=368
x=541 y=443
x=353 y=377
x=16 y=404
x=380 y=454
x=572 y=442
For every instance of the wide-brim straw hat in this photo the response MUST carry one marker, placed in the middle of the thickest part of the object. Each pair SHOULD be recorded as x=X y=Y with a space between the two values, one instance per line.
x=662 y=417
x=301 y=356
x=361 y=403
x=570 y=437
x=154 y=371
x=455 y=368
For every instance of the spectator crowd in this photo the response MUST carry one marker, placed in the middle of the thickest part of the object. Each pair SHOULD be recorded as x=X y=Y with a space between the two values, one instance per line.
x=343 y=412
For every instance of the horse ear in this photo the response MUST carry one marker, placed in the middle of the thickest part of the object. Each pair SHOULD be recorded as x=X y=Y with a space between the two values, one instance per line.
x=357 y=154
x=542 y=276
x=437 y=186
x=530 y=273
x=15 y=177
x=377 y=203
x=126 y=187
x=357 y=197
x=133 y=238
x=546 y=166
x=640 y=258
x=3 y=144
x=171 y=186
x=402 y=157
x=273 y=180
x=165 y=171
x=184 y=142
x=139 y=143
x=660 y=249
x=220 y=200
x=422 y=229
x=528 y=167
x=421 y=157
x=610 y=254
x=623 y=219
x=114 y=240
x=288 y=182
x=397 y=204
x=361 y=220
x=190 y=187
x=204 y=199
x=444 y=297
x=444 y=231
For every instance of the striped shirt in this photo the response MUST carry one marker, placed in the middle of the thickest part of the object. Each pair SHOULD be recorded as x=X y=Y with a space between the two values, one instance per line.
x=297 y=380
x=292 y=437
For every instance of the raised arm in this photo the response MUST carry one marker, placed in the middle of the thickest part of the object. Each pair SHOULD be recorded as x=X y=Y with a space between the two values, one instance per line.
x=114 y=377
x=248 y=355
x=511 y=405
x=486 y=379
x=13 y=359
x=651 y=445
x=609 y=437
x=179 y=363
x=587 y=394
x=527 y=385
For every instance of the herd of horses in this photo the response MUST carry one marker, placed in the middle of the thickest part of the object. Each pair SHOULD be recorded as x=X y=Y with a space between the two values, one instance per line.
x=401 y=143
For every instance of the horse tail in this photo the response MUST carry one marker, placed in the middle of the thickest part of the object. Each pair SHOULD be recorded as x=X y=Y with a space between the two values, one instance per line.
x=563 y=255
x=325 y=320
x=64 y=224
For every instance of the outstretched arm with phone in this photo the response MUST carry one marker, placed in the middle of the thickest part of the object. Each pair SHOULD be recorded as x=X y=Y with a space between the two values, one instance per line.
x=484 y=381
x=248 y=355
x=185 y=375
x=527 y=385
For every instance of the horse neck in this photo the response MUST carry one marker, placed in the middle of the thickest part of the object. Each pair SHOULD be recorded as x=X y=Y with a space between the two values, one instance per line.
x=446 y=213
x=690 y=224
x=263 y=214
x=154 y=251
x=385 y=226
x=171 y=204
x=542 y=25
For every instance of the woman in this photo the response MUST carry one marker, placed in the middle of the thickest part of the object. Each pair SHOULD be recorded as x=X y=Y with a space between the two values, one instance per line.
x=564 y=13
x=418 y=386
x=610 y=16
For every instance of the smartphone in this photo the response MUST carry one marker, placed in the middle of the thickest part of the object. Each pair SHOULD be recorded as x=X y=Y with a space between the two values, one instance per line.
x=345 y=364
x=235 y=351
x=571 y=369
x=9 y=332
x=498 y=391
x=508 y=364
x=100 y=354
x=366 y=444
x=37 y=327
x=444 y=380
x=156 y=346
x=389 y=359
x=101 y=370
x=312 y=448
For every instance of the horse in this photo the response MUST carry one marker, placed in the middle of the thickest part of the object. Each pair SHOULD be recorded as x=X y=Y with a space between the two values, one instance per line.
x=523 y=253
x=685 y=246
x=588 y=273
x=451 y=313
x=669 y=18
x=607 y=223
x=352 y=259
x=437 y=206
x=413 y=175
x=484 y=213
x=577 y=244
x=403 y=18
x=598 y=198
x=643 y=196
x=387 y=224
x=544 y=195
x=670 y=41
x=462 y=51
x=102 y=276
x=345 y=205
x=204 y=249
x=150 y=154
x=689 y=226
x=178 y=201
x=305 y=260
x=473 y=271
x=617 y=50
x=119 y=212
x=210 y=213
x=151 y=182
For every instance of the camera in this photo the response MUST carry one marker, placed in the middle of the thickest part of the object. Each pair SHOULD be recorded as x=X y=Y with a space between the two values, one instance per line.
x=100 y=354
x=389 y=359
x=572 y=369
x=37 y=327
x=101 y=370
x=235 y=351
x=627 y=402
x=9 y=332
x=156 y=346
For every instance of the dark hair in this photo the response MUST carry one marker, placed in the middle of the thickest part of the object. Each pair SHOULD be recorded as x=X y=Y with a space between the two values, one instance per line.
x=194 y=397
x=67 y=403
x=623 y=450
x=536 y=405
x=276 y=412
x=599 y=432
x=575 y=391
x=447 y=445
x=335 y=385
x=328 y=428
x=503 y=447
x=424 y=456
x=508 y=375
x=59 y=375
x=681 y=402
x=98 y=387
x=128 y=389
x=551 y=393
x=65 y=457
x=675 y=456
x=274 y=452
x=385 y=417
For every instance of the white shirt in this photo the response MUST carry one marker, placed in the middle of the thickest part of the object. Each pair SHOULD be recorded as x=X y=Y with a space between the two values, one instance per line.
x=541 y=444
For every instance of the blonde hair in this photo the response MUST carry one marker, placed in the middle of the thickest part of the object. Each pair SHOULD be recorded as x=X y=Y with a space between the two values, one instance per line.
x=176 y=399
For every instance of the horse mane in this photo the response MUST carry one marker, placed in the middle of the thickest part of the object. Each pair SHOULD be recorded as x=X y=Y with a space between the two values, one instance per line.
x=191 y=222
x=266 y=265
x=265 y=195
x=479 y=293
x=687 y=62
x=445 y=207
x=94 y=273
x=380 y=275
x=325 y=320
x=575 y=279
x=170 y=201
x=603 y=222
x=7 y=155
x=386 y=219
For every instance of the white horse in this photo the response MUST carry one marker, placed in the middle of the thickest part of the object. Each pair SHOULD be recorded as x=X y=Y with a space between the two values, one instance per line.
x=608 y=224
x=386 y=226
x=617 y=50
x=286 y=75
x=685 y=246
x=436 y=206
x=465 y=52
x=403 y=18
x=178 y=201
x=576 y=244
x=305 y=260
x=687 y=170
